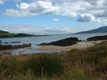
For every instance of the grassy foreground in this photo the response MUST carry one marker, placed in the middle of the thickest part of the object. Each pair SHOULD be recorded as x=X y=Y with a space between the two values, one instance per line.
x=88 y=64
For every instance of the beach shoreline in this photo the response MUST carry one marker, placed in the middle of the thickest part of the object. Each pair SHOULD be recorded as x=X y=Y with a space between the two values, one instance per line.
x=50 y=48
x=58 y=49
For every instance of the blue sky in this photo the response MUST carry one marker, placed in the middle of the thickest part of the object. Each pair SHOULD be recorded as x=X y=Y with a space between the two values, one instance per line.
x=52 y=16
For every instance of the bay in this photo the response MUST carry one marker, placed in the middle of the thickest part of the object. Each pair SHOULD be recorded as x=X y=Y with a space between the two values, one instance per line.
x=43 y=39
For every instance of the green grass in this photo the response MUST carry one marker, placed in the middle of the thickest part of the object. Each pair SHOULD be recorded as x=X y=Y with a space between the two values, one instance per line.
x=87 y=64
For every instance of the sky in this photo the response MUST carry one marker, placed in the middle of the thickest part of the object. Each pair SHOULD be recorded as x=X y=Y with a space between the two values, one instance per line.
x=52 y=16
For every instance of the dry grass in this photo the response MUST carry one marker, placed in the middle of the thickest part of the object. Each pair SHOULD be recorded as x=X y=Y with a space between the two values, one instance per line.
x=87 y=64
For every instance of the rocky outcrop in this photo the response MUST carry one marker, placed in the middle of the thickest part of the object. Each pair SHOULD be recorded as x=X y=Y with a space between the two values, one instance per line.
x=64 y=42
x=95 y=38
x=5 y=47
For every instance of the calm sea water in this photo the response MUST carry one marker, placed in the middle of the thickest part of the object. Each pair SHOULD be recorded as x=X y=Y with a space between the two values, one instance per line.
x=38 y=40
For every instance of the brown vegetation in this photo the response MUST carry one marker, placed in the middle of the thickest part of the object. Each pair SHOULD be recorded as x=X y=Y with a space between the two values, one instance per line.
x=87 y=64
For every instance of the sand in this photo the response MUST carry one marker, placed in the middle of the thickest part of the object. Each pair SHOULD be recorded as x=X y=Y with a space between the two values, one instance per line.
x=50 y=48
x=79 y=45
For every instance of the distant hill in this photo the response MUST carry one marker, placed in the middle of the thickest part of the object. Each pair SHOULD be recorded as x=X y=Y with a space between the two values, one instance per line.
x=3 y=32
x=98 y=30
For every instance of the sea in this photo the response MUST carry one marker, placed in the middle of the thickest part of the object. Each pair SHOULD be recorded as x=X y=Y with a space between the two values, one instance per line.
x=44 y=39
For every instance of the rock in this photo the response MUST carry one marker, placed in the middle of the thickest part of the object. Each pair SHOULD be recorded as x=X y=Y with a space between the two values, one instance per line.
x=5 y=47
x=95 y=38
x=64 y=42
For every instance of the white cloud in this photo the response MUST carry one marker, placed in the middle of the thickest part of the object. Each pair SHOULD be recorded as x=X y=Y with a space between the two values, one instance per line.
x=23 y=6
x=20 y=29
x=67 y=30
x=47 y=6
x=34 y=29
x=71 y=8
x=18 y=13
x=2 y=1
x=55 y=19
x=32 y=9
x=86 y=18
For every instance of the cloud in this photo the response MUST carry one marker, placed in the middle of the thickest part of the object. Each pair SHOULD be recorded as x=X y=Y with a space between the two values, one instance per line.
x=102 y=13
x=21 y=29
x=32 y=9
x=71 y=8
x=67 y=30
x=34 y=29
x=23 y=6
x=55 y=19
x=86 y=18
x=2 y=1
x=18 y=13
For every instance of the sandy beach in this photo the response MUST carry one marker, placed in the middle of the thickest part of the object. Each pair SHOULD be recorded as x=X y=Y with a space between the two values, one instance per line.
x=50 y=48
x=79 y=45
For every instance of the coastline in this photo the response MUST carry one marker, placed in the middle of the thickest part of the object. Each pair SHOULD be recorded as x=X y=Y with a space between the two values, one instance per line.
x=58 y=49
x=49 y=49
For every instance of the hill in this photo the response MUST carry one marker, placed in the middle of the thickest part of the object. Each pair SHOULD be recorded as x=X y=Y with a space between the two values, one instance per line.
x=98 y=30
x=3 y=32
